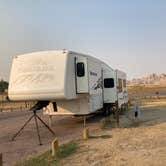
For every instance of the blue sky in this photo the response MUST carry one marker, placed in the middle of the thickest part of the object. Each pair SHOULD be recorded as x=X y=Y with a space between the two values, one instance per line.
x=127 y=34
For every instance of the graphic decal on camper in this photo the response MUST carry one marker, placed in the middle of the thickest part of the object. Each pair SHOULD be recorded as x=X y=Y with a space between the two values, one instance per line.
x=98 y=84
x=38 y=72
x=93 y=73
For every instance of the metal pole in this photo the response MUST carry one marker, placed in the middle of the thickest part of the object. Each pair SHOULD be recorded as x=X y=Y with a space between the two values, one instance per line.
x=46 y=125
x=22 y=127
x=84 y=121
x=37 y=127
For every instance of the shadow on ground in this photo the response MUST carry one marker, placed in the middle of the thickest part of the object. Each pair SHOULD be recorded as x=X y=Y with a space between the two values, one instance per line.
x=101 y=136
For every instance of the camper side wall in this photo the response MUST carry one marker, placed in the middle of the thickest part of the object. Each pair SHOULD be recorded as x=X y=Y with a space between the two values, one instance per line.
x=95 y=84
x=80 y=101
x=121 y=88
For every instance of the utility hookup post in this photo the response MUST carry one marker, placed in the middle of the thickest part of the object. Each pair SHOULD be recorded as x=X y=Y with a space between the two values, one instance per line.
x=137 y=110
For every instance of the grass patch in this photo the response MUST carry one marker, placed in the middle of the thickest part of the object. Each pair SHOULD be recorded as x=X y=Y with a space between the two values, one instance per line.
x=46 y=159
x=67 y=150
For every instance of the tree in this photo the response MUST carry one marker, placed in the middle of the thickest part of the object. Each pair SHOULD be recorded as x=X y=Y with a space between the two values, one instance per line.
x=3 y=86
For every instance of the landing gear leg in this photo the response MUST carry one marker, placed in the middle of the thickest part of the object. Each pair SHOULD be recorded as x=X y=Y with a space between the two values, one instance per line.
x=84 y=121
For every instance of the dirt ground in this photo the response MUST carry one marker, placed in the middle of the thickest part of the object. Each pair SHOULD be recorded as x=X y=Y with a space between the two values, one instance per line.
x=134 y=144
x=26 y=144
x=131 y=144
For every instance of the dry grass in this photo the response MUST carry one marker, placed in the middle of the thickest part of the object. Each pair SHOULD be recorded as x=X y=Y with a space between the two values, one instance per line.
x=141 y=144
x=6 y=105
x=141 y=89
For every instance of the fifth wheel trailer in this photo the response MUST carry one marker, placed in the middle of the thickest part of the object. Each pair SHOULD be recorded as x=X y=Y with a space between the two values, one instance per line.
x=74 y=83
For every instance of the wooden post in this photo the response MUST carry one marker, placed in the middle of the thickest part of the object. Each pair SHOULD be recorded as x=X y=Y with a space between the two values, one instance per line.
x=1 y=161
x=117 y=114
x=85 y=133
x=117 y=118
x=55 y=147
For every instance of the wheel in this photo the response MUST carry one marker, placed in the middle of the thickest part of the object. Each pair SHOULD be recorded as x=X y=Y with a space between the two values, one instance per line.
x=107 y=111
x=126 y=107
x=114 y=112
x=121 y=109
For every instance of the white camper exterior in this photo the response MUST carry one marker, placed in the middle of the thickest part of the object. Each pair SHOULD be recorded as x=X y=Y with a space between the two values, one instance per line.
x=121 y=88
x=78 y=83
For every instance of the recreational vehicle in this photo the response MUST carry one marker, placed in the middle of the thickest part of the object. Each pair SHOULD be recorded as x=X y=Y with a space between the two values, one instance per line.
x=74 y=83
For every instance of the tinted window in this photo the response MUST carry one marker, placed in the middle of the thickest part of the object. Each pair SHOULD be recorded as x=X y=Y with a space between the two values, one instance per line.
x=80 y=69
x=108 y=83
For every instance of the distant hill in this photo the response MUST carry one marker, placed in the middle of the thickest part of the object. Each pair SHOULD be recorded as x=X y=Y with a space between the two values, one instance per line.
x=155 y=79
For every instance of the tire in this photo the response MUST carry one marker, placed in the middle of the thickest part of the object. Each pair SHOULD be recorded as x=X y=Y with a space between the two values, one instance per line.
x=107 y=111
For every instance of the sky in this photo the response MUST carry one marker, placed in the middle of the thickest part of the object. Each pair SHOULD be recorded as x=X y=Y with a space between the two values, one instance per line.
x=127 y=34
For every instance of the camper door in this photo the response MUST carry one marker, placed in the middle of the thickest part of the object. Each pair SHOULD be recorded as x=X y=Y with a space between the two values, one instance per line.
x=110 y=95
x=81 y=74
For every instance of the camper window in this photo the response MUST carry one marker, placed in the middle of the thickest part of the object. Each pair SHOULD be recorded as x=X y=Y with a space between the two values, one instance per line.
x=120 y=85
x=108 y=83
x=80 y=69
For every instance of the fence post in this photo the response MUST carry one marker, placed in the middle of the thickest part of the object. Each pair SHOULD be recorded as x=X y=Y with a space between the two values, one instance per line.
x=85 y=133
x=55 y=147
